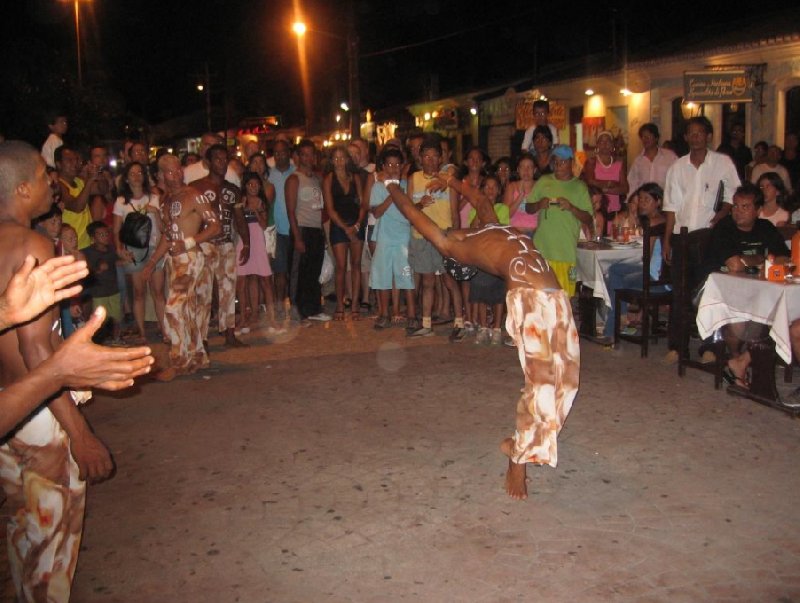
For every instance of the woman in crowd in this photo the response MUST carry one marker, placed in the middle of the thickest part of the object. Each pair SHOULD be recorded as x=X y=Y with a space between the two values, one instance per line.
x=516 y=192
x=628 y=275
x=542 y=145
x=775 y=196
x=486 y=289
x=135 y=196
x=347 y=208
x=476 y=163
x=255 y=274
x=627 y=217
x=598 y=226
x=502 y=169
x=606 y=172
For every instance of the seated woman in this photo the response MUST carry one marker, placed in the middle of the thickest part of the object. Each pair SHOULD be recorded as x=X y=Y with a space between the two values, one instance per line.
x=590 y=232
x=628 y=216
x=775 y=194
x=605 y=171
x=628 y=275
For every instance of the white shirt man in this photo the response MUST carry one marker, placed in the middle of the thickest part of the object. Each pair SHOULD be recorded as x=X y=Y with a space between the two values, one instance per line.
x=653 y=163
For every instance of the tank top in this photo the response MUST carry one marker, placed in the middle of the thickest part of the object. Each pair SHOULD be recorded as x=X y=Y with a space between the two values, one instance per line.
x=601 y=172
x=346 y=204
x=309 y=201
x=439 y=211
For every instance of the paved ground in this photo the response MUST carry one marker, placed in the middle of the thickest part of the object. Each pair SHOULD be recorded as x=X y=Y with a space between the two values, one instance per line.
x=350 y=465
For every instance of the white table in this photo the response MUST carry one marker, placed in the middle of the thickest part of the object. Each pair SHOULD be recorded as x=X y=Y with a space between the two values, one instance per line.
x=594 y=260
x=729 y=298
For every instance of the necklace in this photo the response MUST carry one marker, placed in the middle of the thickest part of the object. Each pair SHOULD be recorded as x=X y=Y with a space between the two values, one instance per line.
x=600 y=161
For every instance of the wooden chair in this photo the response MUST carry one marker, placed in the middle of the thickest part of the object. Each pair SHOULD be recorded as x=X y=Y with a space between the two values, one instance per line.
x=692 y=248
x=648 y=300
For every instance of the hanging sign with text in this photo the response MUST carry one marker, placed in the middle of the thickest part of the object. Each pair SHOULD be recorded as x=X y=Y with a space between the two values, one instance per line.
x=730 y=86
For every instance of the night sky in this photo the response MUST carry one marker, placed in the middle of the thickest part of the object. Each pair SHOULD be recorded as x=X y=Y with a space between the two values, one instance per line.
x=153 y=52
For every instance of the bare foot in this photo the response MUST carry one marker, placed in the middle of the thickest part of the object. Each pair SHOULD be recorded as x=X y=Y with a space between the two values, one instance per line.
x=516 y=478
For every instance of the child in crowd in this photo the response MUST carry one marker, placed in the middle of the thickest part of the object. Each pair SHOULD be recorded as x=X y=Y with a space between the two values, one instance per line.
x=101 y=258
x=72 y=314
x=486 y=289
x=599 y=205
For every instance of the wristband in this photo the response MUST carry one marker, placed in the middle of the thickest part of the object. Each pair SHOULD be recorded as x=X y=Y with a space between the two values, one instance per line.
x=189 y=243
x=389 y=181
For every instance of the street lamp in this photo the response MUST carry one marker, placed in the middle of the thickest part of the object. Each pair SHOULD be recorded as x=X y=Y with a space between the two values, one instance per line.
x=76 y=7
x=354 y=98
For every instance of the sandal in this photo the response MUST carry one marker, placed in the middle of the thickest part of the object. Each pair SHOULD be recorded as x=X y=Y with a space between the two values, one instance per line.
x=347 y=304
x=364 y=306
x=355 y=315
x=399 y=321
x=731 y=379
x=338 y=315
x=382 y=323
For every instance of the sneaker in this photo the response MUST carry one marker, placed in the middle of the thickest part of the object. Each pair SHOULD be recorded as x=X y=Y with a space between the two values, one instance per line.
x=708 y=357
x=792 y=400
x=670 y=357
x=497 y=337
x=384 y=322
x=321 y=317
x=631 y=330
x=422 y=332
x=412 y=325
x=457 y=334
x=483 y=336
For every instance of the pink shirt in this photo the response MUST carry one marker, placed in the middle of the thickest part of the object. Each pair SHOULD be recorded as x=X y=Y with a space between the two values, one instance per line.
x=601 y=172
x=522 y=219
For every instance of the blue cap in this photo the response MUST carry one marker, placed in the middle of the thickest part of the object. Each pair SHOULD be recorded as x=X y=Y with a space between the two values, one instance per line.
x=562 y=151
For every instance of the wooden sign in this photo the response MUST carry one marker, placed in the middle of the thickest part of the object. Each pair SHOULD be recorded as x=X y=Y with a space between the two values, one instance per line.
x=729 y=86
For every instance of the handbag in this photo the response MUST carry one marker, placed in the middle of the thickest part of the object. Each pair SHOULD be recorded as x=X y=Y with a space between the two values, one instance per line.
x=136 y=229
x=271 y=239
x=326 y=273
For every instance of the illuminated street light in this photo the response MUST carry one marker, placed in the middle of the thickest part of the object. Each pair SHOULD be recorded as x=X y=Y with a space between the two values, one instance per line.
x=200 y=87
x=353 y=104
x=75 y=4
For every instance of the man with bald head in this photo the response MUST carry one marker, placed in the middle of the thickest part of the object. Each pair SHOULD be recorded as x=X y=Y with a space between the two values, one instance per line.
x=189 y=220
x=44 y=462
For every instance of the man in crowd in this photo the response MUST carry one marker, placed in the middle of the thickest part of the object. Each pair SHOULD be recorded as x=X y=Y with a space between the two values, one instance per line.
x=539 y=321
x=736 y=149
x=772 y=164
x=541 y=117
x=653 y=163
x=737 y=242
x=189 y=220
x=80 y=208
x=696 y=183
x=220 y=252
x=441 y=206
x=563 y=203
x=304 y=210
x=198 y=170
x=44 y=463
x=282 y=262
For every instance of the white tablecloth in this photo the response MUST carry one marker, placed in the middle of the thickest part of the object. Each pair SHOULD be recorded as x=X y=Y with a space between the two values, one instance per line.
x=729 y=298
x=593 y=265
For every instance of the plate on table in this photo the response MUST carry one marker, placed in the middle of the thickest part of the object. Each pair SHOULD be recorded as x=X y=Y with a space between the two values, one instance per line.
x=621 y=245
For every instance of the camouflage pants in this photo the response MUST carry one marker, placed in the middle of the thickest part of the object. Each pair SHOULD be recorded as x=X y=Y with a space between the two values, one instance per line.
x=205 y=287
x=541 y=324
x=186 y=352
x=46 y=503
x=225 y=276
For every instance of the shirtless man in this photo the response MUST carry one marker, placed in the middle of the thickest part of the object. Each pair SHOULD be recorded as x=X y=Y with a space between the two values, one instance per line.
x=539 y=320
x=77 y=363
x=189 y=220
x=220 y=253
x=43 y=464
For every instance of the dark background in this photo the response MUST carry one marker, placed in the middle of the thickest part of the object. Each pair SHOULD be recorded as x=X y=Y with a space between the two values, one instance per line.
x=143 y=58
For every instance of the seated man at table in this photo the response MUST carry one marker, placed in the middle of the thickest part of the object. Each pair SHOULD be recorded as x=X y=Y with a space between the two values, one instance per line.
x=738 y=243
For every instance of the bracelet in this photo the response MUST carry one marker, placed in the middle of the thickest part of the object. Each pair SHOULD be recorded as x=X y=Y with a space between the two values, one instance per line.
x=189 y=243
x=389 y=181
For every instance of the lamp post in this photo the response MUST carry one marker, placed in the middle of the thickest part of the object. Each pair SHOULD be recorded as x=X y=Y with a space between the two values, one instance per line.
x=76 y=10
x=353 y=89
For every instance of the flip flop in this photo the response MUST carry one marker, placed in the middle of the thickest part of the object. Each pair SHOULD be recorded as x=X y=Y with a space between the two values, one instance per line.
x=731 y=379
x=338 y=315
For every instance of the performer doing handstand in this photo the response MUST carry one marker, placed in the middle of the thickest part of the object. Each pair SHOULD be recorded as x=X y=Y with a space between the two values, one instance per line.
x=539 y=320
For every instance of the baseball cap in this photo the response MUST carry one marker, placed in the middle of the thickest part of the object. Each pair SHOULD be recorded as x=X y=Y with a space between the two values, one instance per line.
x=562 y=151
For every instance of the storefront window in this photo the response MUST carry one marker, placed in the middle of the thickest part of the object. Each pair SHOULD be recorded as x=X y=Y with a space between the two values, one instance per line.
x=793 y=110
